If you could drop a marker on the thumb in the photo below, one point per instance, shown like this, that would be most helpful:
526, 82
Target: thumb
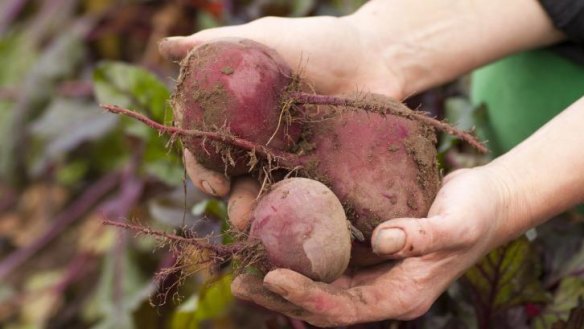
176, 48
408, 237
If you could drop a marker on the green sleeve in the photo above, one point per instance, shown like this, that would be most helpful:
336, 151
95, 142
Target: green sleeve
522, 92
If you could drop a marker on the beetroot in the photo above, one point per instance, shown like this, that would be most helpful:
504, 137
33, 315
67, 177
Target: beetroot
239, 109
235, 86
381, 167
303, 227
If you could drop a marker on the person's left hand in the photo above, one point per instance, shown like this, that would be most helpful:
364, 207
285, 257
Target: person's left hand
466, 220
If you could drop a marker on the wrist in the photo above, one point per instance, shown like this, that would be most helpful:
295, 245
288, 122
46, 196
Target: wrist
513, 214
542, 176
426, 43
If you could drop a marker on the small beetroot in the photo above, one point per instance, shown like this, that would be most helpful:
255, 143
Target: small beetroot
303, 227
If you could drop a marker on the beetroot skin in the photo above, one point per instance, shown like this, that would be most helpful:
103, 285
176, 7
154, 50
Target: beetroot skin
303, 227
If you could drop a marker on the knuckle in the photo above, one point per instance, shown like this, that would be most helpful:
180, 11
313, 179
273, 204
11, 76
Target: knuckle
267, 20
419, 309
414, 302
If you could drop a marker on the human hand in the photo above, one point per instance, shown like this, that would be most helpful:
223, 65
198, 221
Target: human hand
333, 54
466, 220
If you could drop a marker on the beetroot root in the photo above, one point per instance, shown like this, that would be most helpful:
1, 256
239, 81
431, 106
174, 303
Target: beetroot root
303, 227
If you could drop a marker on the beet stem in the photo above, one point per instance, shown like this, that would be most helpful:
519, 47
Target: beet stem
220, 251
288, 159
306, 98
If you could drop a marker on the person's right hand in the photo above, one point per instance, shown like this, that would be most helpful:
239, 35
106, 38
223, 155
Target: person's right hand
332, 54
469, 217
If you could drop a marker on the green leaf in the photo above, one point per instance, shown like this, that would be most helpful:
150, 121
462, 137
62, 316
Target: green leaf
347, 7
301, 8
6, 292
66, 124
16, 57
213, 207
162, 160
462, 114
59, 61
121, 290
73, 172
574, 265
212, 302
206, 20
506, 277
218, 209
575, 320
132, 87
566, 297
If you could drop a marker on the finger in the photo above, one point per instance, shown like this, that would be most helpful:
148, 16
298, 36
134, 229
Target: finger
250, 287
407, 237
324, 305
208, 181
241, 202
176, 48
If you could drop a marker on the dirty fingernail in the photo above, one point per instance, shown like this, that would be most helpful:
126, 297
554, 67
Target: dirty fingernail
207, 188
389, 241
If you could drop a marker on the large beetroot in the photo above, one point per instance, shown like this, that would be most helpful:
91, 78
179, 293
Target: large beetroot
381, 167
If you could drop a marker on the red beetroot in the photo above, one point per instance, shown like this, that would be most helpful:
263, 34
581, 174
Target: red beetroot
237, 86
380, 167
303, 227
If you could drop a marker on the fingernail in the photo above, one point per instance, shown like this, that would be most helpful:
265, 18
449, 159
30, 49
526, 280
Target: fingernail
207, 188
162, 44
389, 241
170, 49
